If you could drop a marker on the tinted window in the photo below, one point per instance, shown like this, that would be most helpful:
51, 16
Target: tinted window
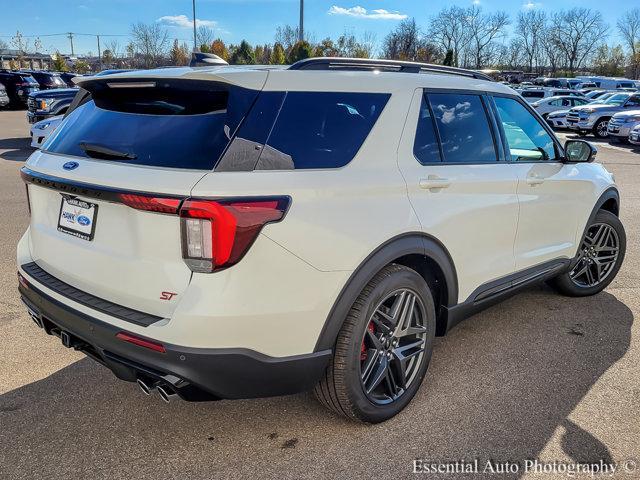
463, 127
526, 138
634, 101
425, 145
247, 145
320, 129
181, 127
532, 94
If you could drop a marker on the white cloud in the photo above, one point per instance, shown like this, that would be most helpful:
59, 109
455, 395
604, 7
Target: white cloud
476, 2
361, 12
182, 21
530, 5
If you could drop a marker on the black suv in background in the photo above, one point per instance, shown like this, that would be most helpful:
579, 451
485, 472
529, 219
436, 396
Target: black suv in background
66, 78
18, 85
47, 80
49, 103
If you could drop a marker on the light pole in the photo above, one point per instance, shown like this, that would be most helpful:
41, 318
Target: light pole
301, 28
195, 41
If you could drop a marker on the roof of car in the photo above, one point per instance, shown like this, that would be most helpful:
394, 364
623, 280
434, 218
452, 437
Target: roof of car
278, 78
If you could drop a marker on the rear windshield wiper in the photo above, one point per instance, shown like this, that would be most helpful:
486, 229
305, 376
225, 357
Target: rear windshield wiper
105, 153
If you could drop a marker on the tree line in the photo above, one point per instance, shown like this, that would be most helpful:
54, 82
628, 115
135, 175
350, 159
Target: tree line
557, 43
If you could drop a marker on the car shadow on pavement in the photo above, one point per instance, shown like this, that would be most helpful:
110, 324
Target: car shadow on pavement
18, 149
499, 386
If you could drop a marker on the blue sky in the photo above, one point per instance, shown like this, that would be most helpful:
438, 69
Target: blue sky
255, 20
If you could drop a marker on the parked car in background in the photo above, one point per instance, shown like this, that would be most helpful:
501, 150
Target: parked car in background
41, 130
18, 85
552, 104
634, 136
4, 98
586, 87
558, 119
594, 117
67, 78
620, 126
47, 80
49, 103
594, 94
533, 94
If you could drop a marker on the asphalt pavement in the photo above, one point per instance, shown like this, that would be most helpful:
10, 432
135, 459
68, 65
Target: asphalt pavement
538, 376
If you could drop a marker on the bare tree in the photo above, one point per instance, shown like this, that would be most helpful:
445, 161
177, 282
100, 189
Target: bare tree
286, 36
577, 33
552, 55
530, 30
368, 43
629, 28
115, 48
402, 43
205, 36
448, 30
151, 41
484, 30
3, 45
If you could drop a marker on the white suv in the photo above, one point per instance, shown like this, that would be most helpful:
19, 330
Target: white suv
239, 232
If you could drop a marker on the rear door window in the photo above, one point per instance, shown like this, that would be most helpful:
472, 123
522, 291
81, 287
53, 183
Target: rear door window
185, 124
320, 129
425, 145
463, 126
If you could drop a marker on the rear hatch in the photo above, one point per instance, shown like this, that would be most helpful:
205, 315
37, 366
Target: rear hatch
105, 188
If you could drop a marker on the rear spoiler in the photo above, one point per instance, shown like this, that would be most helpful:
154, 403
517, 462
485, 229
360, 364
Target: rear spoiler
199, 59
251, 78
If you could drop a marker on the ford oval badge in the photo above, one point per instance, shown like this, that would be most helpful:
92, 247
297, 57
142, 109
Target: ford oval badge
70, 165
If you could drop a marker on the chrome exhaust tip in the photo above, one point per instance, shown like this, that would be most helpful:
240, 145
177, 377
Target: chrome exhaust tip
165, 393
145, 387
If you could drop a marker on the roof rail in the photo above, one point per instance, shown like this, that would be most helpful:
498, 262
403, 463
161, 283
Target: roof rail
368, 64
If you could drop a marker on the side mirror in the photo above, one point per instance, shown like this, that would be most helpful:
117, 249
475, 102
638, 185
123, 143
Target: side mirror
579, 151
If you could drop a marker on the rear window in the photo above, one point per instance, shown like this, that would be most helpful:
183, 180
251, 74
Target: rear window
532, 94
320, 129
184, 124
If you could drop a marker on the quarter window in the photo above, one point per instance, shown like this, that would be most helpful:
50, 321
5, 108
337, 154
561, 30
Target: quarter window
320, 129
527, 139
464, 129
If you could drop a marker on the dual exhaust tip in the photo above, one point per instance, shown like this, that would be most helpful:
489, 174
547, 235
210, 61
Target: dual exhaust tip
166, 393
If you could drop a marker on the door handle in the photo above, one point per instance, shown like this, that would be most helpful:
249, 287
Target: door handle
534, 180
434, 182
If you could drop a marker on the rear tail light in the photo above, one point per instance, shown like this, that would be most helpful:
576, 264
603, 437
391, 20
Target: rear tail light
217, 233
151, 204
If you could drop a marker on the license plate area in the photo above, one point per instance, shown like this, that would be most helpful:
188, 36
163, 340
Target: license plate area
77, 217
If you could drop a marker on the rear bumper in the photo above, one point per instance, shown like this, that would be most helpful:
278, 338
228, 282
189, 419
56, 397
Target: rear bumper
194, 373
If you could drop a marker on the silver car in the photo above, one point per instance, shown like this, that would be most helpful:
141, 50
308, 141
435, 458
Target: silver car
594, 117
621, 124
634, 136
553, 104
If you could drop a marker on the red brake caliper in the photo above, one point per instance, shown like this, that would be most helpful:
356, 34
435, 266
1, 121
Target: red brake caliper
363, 348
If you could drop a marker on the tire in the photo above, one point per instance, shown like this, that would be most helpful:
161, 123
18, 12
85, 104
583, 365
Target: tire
600, 128
573, 285
343, 386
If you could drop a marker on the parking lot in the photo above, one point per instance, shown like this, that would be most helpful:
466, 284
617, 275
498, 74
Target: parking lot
538, 376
